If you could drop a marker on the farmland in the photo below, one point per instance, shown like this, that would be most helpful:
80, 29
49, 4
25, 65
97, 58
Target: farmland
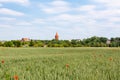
60, 63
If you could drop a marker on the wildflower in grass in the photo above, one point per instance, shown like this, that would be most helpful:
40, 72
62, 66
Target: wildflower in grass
2, 61
15, 77
110, 59
67, 65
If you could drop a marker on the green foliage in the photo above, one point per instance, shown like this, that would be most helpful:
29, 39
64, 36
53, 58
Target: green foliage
95, 41
17, 43
8, 44
1, 44
115, 42
89, 42
32, 43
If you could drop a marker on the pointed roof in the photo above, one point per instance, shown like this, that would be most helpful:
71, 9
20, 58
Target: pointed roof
56, 34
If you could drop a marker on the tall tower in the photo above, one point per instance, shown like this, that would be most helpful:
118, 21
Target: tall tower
56, 36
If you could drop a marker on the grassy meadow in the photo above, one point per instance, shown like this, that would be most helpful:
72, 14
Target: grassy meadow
59, 63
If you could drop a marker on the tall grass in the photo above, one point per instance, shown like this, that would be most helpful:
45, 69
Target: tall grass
60, 63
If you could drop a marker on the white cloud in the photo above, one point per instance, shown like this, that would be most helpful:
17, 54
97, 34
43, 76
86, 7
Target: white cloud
109, 3
23, 23
7, 19
86, 8
114, 19
107, 11
59, 3
38, 21
4, 26
6, 11
71, 19
22, 2
55, 7
55, 10
103, 14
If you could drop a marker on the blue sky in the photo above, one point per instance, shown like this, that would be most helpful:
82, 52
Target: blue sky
72, 19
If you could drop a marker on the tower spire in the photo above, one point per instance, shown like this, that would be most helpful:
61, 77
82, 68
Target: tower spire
56, 36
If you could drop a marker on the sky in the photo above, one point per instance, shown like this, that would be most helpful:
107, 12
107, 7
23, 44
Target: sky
72, 19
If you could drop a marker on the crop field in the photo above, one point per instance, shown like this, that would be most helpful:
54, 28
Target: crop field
59, 63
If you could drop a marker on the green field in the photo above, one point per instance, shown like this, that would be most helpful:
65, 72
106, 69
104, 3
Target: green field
60, 63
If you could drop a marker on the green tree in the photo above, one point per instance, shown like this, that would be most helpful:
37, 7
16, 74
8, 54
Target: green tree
8, 44
1, 44
32, 43
17, 43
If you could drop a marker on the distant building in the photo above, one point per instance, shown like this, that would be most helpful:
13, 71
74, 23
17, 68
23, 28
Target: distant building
25, 39
108, 42
56, 36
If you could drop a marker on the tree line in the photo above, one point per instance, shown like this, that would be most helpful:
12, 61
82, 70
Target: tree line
88, 42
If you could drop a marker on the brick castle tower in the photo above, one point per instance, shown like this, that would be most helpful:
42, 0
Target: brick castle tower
56, 36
